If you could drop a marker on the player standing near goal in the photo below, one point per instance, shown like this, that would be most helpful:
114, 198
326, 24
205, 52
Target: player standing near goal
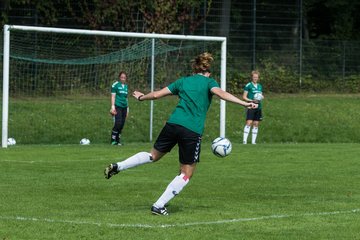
253, 116
119, 107
184, 127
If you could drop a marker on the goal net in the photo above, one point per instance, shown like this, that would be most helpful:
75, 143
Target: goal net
54, 72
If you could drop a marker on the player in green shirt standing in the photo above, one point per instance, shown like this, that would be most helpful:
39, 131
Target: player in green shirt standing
253, 93
119, 107
184, 127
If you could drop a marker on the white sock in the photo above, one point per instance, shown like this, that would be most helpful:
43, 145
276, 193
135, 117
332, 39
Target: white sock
246, 133
173, 189
254, 135
135, 160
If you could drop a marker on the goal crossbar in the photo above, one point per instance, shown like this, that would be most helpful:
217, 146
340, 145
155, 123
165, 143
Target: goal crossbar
6, 60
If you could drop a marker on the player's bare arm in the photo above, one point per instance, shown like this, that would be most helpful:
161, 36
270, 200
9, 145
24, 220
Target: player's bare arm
231, 98
112, 108
152, 95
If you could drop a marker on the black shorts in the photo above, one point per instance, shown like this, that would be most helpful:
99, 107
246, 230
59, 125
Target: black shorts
189, 142
254, 114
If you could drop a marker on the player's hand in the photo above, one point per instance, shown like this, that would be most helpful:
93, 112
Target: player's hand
253, 105
137, 94
113, 111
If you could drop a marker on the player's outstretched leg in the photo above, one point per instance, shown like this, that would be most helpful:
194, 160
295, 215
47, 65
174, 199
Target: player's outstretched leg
133, 161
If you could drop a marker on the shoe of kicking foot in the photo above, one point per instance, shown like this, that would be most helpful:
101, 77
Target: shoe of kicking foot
111, 170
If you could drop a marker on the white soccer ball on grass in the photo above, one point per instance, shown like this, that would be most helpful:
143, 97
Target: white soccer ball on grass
11, 142
221, 147
84, 141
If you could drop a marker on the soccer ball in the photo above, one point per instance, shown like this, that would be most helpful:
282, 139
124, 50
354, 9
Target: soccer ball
258, 96
221, 147
11, 141
84, 141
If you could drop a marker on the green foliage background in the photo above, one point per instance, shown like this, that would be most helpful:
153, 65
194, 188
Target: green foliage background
326, 65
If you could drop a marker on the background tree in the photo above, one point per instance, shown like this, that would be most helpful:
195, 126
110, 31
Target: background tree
325, 19
170, 16
162, 16
332, 19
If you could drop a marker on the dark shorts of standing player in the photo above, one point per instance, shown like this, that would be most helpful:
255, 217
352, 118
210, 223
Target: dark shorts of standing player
254, 114
188, 141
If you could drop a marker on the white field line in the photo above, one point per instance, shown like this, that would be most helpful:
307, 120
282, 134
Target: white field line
13, 161
139, 225
69, 161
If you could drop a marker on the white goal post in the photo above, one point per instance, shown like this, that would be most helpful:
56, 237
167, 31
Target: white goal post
6, 62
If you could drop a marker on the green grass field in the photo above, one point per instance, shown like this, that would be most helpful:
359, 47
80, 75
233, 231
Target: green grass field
297, 118
264, 191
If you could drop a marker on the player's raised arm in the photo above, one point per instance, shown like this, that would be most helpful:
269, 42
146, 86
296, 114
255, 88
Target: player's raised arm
231, 98
152, 95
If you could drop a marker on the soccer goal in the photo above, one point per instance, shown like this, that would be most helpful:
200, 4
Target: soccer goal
42, 64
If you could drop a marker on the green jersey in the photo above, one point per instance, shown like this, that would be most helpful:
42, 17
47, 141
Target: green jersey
194, 101
252, 89
121, 91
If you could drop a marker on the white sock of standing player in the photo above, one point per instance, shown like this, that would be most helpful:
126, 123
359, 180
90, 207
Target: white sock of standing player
246, 133
254, 133
173, 189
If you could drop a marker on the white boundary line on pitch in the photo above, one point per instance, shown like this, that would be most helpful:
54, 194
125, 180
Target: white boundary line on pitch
56, 161
16, 161
72, 160
18, 218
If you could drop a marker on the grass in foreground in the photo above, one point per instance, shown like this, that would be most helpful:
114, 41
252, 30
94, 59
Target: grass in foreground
268, 191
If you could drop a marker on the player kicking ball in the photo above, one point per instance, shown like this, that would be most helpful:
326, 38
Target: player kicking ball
184, 127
